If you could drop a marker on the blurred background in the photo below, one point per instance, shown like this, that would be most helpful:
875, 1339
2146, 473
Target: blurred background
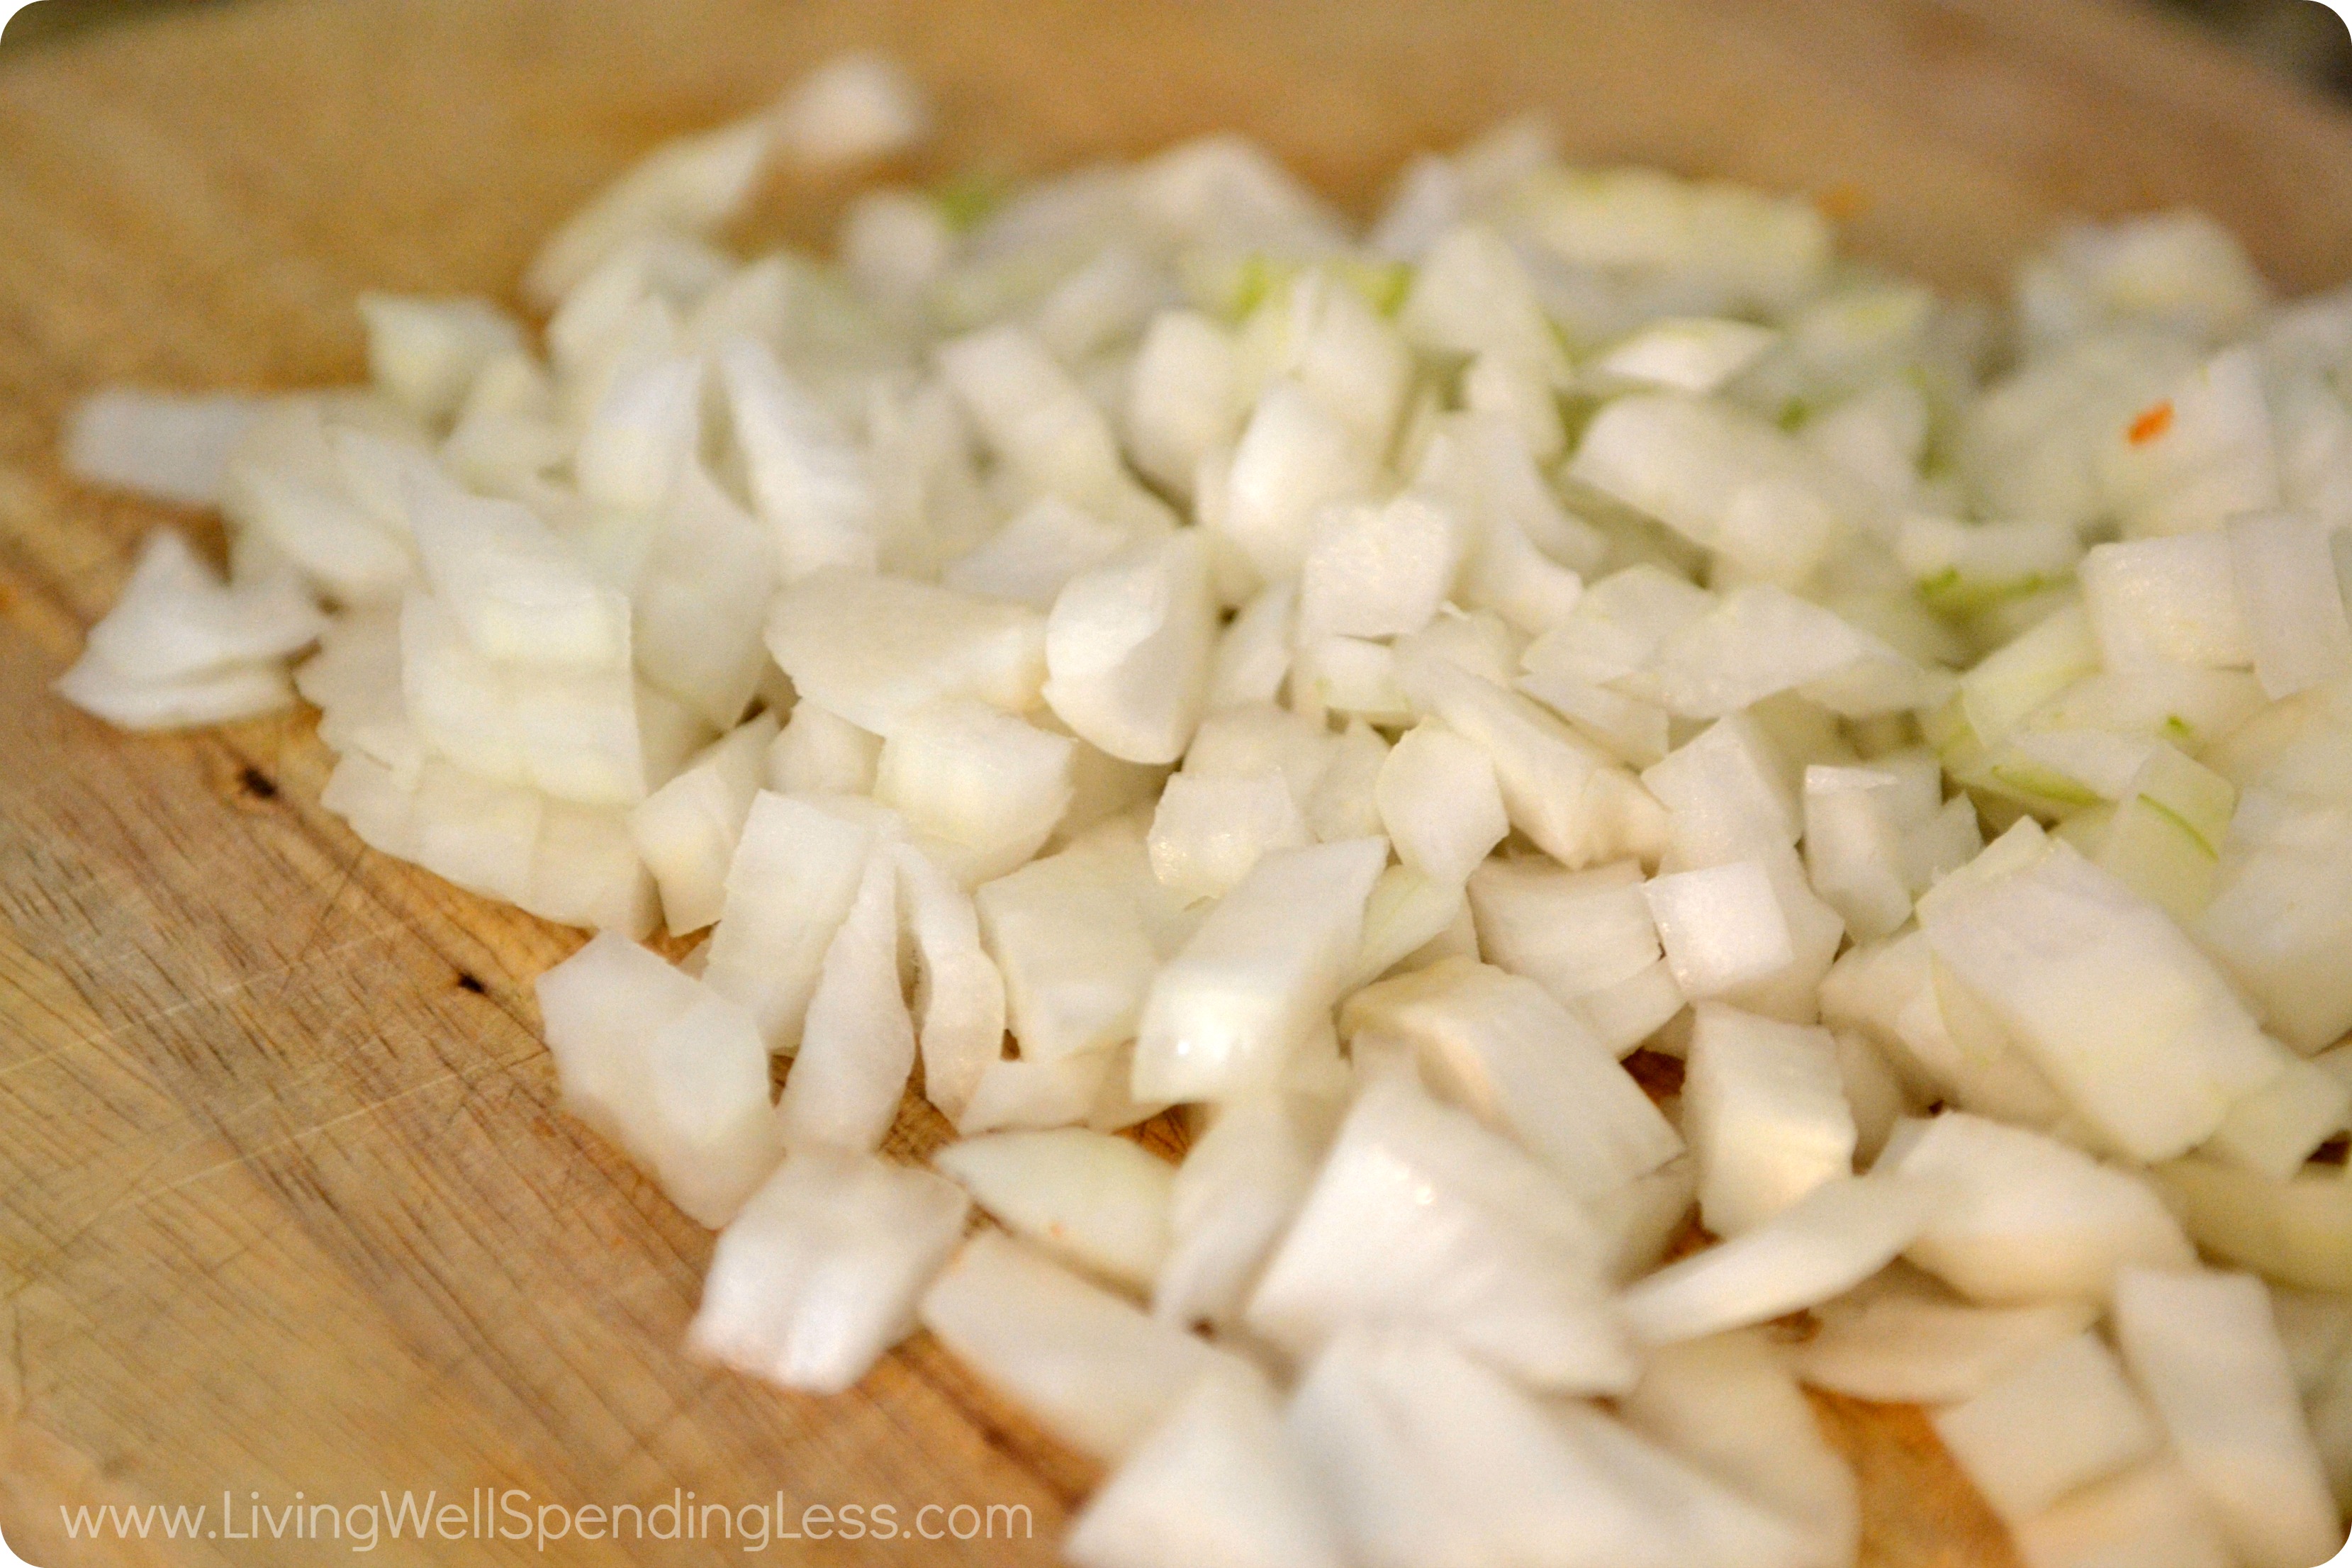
2302, 38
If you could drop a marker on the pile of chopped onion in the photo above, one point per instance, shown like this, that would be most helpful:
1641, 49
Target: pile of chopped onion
1148, 648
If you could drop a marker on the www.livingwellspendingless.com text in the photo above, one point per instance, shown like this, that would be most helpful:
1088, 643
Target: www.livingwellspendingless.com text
514, 1515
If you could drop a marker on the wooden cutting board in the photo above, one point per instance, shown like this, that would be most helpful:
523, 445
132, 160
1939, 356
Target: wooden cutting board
286, 1204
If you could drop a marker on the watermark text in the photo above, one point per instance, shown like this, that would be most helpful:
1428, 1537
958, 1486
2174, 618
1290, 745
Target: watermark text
513, 1514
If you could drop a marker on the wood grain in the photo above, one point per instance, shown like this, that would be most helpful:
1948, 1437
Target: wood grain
285, 1202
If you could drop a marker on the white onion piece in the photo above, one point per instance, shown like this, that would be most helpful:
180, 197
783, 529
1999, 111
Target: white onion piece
2293, 601
2279, 917
2204, 1350
509, 435
1249, 739
2061, 1421
1345, 803
1104, 791
1439, 803
2314, 1330
595, 736
1694, 354
623, 316
1407, 917
1426, 202
1076, 955
1719, 477
1722, 927
1029, 560
1503, 1048
2157, 602
1573, 933
895, 245
307, 518
1209, 830
175, 448
1431, 1457
2130, 1021
1640, 1221
858, 1042
808, 480
2178, 267
1379, 570
354, 681
1900, 1339
481, 835
1116, 1106
1732, 245
1531, 552
1254, 652
523, 594
1765, 1107
1728, 1406
959, 1002
876, 649
819, 753
426, 354
1633, 1010
1837, 1235
1293, 457
585, 871
1219, 1479
1128, 649
796, 871
1854, 848
852, 106
606, 1000
2209, 459
988, 787
1041, 425
686, 829
1730, 795
1182, 401
378, 805
1637, 733
1036, 1095
1617, 627
1224, 1014
460, 704
1814, 930
2331, 1431
1931, 1028
1559, 789
1763, 640
1092, 1369
1237, 1189
2281, 1125
2297, 1231
692, 186
702, 600
2150, 1516
668, 1068
1342, 351
1421, 1215
177, 621
1095, 1201
2026, 1219
1471, 294
229, 693
819, 1273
